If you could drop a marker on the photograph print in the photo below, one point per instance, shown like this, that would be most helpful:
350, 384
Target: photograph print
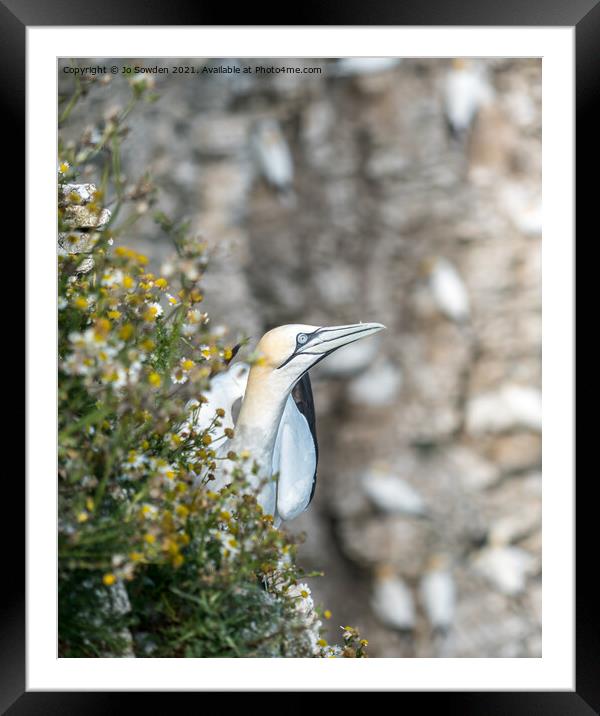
299, 357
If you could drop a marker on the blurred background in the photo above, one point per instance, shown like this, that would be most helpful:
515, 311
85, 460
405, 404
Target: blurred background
401, 191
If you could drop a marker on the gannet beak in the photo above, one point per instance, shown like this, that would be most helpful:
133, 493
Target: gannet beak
328, 339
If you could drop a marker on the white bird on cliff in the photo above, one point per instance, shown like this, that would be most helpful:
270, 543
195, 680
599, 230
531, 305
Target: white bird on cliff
465, 90
348, 66
505, 567
273, 156
438, 594
226, 392
448, 289
276, 420
392, 495
377, 387
392, 601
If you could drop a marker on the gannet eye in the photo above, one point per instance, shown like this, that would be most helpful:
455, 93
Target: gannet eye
302, 338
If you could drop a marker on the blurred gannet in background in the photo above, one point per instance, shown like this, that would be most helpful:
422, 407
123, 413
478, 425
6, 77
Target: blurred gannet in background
273, 157
392, 601
377, 387
509, 407
438, 594
391, 494
276, 421
347, 66
448, 289
505, 567
523, 207
465, 90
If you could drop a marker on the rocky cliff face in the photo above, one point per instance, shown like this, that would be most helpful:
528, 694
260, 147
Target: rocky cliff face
341, 197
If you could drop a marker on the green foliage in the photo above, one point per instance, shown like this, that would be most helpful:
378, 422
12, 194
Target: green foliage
152, 561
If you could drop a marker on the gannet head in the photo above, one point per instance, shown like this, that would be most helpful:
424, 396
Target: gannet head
292, 350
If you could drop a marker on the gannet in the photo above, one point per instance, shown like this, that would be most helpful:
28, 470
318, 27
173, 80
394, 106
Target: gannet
392, 495
347, 66
505, 567
509, 407
448, 289
392, 601
276, 420
377, 387
465, 90
273, 157
438, 594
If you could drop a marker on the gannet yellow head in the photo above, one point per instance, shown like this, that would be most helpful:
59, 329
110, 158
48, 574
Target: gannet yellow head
293, 349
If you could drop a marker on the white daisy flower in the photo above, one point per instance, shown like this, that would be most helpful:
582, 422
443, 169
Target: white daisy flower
149, 511
135, 460
112, 278
179, 375
156, 307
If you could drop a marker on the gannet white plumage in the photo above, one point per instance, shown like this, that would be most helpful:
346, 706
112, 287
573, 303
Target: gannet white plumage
509, 407
465, 90
505, 567
377, 387
392, 495
448, 289
276, 421
438, 594
392, 600
272, 155
347, 66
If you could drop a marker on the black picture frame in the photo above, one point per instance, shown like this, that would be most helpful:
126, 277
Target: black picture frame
584, 16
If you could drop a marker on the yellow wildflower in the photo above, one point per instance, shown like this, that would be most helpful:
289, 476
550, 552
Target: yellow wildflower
101, 329
126, 331
154, 379
153, 311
